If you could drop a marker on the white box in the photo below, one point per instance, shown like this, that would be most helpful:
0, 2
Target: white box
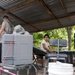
20, 50
6, 49
24, 44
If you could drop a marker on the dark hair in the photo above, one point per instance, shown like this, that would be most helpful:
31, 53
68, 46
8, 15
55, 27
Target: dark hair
5, 17
46, 35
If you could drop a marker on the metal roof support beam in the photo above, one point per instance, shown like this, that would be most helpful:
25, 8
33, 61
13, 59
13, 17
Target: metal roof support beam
48, 10
64, 7
19, 19
54, 28
48, 20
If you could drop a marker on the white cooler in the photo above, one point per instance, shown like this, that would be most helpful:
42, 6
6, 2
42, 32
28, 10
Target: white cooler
20, 50
58, 68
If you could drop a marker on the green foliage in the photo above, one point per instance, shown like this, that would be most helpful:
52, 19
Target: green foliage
56, 33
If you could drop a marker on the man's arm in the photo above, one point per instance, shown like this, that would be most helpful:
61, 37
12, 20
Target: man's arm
2, 29
50, 48
44, 46
47, 48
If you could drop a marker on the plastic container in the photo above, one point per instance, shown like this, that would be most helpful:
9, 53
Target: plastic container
20, 50
59, 68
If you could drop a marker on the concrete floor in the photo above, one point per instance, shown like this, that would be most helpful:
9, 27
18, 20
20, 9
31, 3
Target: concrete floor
32, 72
74, 70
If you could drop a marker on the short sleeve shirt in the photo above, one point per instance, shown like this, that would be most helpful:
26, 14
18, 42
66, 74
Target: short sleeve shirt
6, 30
46, 43
7, 27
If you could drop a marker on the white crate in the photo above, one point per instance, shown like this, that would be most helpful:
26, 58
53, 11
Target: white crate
58, 68
24, 44
20, 51
6, 40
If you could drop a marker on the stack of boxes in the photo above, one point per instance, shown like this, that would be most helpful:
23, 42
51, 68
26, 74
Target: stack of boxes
17, 49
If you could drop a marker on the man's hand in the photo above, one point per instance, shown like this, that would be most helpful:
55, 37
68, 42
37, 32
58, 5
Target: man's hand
49, 51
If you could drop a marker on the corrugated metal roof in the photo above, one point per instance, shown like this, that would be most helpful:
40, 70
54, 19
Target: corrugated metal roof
32, 12
9, 3
38, 15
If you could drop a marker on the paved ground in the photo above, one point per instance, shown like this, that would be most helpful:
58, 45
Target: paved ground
32, 72
74, 70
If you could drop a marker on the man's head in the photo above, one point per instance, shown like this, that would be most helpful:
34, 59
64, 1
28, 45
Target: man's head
46, 37
5, 18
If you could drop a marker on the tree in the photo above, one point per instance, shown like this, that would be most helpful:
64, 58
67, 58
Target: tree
69, 32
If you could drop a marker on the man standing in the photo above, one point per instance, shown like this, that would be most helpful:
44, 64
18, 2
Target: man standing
6, 28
